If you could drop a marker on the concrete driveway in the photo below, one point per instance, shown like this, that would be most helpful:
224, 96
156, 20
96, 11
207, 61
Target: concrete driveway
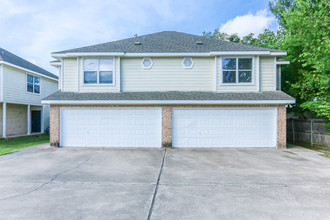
79, 183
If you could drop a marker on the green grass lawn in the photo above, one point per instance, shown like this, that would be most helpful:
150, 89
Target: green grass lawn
8, 146
327, 155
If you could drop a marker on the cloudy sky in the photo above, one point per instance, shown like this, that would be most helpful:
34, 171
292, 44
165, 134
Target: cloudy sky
33, 29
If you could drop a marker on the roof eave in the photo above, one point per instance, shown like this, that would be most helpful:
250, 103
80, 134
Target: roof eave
27, 70
211, 53
175, 102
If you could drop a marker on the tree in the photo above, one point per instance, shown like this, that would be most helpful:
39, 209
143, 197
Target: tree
307, 41
305, 34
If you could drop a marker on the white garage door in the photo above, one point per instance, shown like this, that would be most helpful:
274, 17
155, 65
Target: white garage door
110, 127
231, 127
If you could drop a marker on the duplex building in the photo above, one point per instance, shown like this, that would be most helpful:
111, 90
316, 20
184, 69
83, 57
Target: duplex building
169, 89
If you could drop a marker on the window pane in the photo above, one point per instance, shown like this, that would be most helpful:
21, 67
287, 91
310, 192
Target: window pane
245, 76
147, 62
90, 64
36, 80
187, 62
105, 64
29, 87
229, 76
106, 77
36, 89
229, 63
245, 63
90, 77
29, 79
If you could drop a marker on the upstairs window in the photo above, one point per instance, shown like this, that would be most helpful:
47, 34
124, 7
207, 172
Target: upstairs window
98, 71
147, 63
236, 70
32, 84
187, 63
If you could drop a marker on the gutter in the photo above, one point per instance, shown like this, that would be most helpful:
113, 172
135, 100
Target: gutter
202, 54
166, 102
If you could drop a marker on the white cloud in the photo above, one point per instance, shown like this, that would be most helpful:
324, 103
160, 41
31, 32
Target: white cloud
36, 29
9, 8
249, 23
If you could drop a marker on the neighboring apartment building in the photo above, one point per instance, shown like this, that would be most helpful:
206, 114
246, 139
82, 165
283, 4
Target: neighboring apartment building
22, 86
169, 89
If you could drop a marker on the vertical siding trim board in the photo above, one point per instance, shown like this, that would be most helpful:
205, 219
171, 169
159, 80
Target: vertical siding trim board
119, 75
275, 66
28, 119
42, 129
215, 73
4, 119
78, 74
167, 120
61, 75
258, 73
1, 82
280, 78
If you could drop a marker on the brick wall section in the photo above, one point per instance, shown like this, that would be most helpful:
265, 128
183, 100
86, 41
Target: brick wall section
16, 119
281, 127
167, 126
54, 125
167, 120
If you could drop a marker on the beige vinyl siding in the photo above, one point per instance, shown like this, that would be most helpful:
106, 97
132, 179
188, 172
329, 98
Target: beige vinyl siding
167, 74
14, 87
70, 75
46, 117
268, 73
238, 87
99, 87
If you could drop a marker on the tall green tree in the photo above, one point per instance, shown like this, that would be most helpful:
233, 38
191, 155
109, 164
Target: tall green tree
307, 41
305, 34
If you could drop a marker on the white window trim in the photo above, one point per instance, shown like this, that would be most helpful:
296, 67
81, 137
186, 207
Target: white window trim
147, 67
237, 83
98, 73
192, 63
32, 93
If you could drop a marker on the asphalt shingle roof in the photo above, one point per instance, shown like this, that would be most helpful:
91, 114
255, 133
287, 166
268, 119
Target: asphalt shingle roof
8, 57
167, 42
271, 95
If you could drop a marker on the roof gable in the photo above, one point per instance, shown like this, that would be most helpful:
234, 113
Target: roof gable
11, 58
167, 42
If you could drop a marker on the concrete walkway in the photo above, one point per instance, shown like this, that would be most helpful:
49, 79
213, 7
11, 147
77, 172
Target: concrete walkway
82, 183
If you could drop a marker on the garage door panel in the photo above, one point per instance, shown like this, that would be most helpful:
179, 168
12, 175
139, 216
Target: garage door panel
111, 127
224, 127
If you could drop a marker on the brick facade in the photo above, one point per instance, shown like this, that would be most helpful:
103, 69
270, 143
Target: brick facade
167, 120
54, 125
166, 126
281, 127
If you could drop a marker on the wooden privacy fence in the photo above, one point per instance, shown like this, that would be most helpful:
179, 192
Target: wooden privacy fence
311, 131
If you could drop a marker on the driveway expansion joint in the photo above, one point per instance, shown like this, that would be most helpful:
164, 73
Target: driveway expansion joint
156, 186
